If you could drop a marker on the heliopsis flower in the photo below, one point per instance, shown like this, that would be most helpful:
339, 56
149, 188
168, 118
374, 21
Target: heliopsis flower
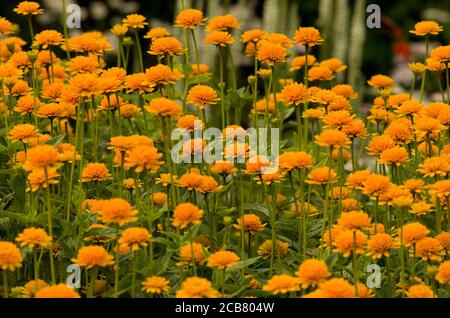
157, 32
411, 233
92, 256
202, 95
117, 211
223, 168
409, 107
207, 185
321, 176
394, 156
421, 208
48, 38
295, 93
312, 272
40, 178
41, 157
354, 220
119, 30
95, 172
136, 237
429, 248
135, 21
222, 259
291, 160
156, 285
23, 132
167, 46
400, 130
190, 18
334, 64
338, 119
333, 138
219, 38
143, 157
419, 291
443, 275
186, 214
299, 62
253, 35
444, 239
10, 257
222, 23
265, 249
349, 241
5, 26
378, 144
28, 8
425, 28
380, 245
196, 287
190, 253
337, 288
380, 81
32, 287
308, 36
159, 198
164, 107
252, 223
320, 73
32, 237
270, 53
282, 284
57, 291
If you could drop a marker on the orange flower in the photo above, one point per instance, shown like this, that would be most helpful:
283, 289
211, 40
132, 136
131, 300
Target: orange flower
196, 287
295, 93
349, 241
41, 157
155, 33
48, 38
421, 208
95, 172
425, 28
375, 185
138, 82
334, 64
380, 81
444, 239
84, 85
253, 35
419, 291
338, 119
5, 26
299, 62
434, 166
394, 156
135, 21
380, 245
10, 257
321, 176
92, 256
202, 95
28, 8
223, 168
32, 237
190, 18
23, 132
282, 284
57, 291
354, 220
186, 214
156, 285
136, 237
312, 272
164, 107
320, 73
409, 107
336, 288
252, 223
411, 233
143, 157
223, 259
167, 46
443, 275
160, 75
378, 144
40, 178
429, 249
441, 54
207, 185
119, 30
188, 122
219, 38
294, 160
186, 257
117, 211
333, 138
270, 53
308, 36
222, 23
83, 64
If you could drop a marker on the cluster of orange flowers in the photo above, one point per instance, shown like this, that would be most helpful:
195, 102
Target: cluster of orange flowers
91, 145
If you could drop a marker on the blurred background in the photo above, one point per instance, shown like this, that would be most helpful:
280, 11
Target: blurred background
367, 51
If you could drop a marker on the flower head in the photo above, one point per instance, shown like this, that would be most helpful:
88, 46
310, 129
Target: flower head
223, 259
312, 272
92, 256
28, 8
308, 36
196, 287
186, 214
156, 285
424, 28
136, 237
135, 21
190, 18
282, 284
57, 291
32, 237
10, 257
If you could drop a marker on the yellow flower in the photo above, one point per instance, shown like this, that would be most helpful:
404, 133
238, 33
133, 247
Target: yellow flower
10, 257
282, 284
28, 7
425, 28
92, 256
155, 285
135, 21
196, 287
223, 259
32, 237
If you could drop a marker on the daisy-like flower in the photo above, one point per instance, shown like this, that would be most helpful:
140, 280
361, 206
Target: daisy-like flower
57, 291
190, 18
95, 172
186, 214
202, 95
223, 259
10, 257
252, 223
28, 8
308, 36
219, 38
136, 237
282, 284
156, 285
196, 287
32, 237
425, 28
48, 38
135, 21
312, 272
92, 256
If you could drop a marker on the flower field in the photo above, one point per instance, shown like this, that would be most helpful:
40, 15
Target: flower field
301, 192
